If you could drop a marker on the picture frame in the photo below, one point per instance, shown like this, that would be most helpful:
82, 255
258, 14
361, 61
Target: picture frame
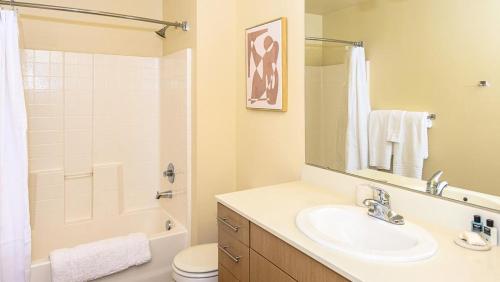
266, 66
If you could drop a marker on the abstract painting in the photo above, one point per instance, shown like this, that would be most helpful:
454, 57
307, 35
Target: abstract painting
267, 66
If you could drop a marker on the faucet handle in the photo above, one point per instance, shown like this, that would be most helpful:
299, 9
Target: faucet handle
382, 196
440, 187
434, 178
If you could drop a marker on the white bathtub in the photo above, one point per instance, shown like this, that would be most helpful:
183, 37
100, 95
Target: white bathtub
164, 244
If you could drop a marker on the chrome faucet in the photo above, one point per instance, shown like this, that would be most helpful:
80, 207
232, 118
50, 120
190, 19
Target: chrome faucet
165, 194
380, 207
434, 186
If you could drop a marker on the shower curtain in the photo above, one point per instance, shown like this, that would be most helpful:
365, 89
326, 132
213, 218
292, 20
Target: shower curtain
15, 233
358, 108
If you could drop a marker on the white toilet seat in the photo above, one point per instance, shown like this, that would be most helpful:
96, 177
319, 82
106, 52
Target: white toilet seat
196, 264
195, 275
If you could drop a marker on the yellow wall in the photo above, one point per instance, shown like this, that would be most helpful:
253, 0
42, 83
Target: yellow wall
270, 145
428, 55
182, 10
314, 49
215, 123
51, 30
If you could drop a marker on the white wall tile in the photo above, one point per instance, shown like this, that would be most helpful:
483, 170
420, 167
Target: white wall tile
93, 113
45, 137
128, 131
78, 199
106, 203
42, 56
47, 214
108, 176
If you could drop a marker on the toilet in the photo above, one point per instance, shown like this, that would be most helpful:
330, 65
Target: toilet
196, 264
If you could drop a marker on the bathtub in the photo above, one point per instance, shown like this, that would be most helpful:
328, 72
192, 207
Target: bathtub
164, 244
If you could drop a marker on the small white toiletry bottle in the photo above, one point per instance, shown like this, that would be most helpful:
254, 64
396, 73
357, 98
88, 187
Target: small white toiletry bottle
490, 233
476, 224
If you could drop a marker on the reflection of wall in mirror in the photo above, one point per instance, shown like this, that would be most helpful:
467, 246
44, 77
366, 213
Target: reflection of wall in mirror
426, 57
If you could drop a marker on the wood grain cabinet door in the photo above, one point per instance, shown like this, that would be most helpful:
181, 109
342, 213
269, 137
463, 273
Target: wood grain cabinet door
262, 270
234, 256
314, 271
225, 275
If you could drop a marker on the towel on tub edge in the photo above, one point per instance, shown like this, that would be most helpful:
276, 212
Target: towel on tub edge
98, 259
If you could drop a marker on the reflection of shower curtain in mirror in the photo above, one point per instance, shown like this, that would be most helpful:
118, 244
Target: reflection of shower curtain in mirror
326, 117
358, 110
15, 234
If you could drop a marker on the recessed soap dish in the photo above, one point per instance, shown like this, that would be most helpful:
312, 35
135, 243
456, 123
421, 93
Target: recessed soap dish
464, 244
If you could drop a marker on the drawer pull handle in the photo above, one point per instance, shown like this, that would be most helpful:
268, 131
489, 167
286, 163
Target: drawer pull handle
223, 220
234, 258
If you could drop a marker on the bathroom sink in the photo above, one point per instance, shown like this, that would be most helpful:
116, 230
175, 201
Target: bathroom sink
349, 229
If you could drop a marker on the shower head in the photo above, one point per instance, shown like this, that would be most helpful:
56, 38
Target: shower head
161, 32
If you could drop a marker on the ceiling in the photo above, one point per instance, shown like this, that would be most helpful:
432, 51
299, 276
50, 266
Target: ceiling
322, 7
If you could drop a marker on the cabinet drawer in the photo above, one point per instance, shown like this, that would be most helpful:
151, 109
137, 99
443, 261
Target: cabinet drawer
264, 271
225, 275
234, 256
235, 225
276, 251
292, 261
316, 272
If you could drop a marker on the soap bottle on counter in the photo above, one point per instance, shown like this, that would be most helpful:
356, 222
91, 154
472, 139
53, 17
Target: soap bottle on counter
477, 225
490, 233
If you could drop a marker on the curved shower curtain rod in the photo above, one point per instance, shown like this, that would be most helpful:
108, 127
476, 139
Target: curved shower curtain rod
353, 43
183, 25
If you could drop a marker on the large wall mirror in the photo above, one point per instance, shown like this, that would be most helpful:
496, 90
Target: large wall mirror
397, 91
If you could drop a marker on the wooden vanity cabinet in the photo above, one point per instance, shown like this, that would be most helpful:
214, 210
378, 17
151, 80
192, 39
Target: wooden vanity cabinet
249, 253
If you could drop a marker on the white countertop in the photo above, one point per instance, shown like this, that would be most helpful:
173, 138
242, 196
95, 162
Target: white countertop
274, 208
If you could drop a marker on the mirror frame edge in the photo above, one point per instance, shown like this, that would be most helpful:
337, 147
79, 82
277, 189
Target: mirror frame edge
407, 189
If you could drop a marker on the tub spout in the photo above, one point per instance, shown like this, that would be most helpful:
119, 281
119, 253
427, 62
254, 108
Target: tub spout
165, 194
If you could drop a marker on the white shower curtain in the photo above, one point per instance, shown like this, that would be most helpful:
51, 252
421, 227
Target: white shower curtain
358, 108
15, 233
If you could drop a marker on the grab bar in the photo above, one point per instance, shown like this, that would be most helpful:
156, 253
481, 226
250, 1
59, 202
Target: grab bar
223, 220
234, 258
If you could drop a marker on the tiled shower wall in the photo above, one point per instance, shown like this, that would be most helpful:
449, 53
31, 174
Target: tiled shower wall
175, 129
93, 135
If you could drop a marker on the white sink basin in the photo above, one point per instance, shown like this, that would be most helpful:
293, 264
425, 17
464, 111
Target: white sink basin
351, 230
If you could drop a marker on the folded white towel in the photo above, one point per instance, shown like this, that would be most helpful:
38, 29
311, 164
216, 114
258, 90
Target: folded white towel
395, 126
380, 150
472, 238
98, 259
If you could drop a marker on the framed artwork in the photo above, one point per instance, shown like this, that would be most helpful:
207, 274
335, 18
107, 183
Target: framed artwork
266, 60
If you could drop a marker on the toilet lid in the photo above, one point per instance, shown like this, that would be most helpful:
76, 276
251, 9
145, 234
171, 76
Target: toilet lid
197, 259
